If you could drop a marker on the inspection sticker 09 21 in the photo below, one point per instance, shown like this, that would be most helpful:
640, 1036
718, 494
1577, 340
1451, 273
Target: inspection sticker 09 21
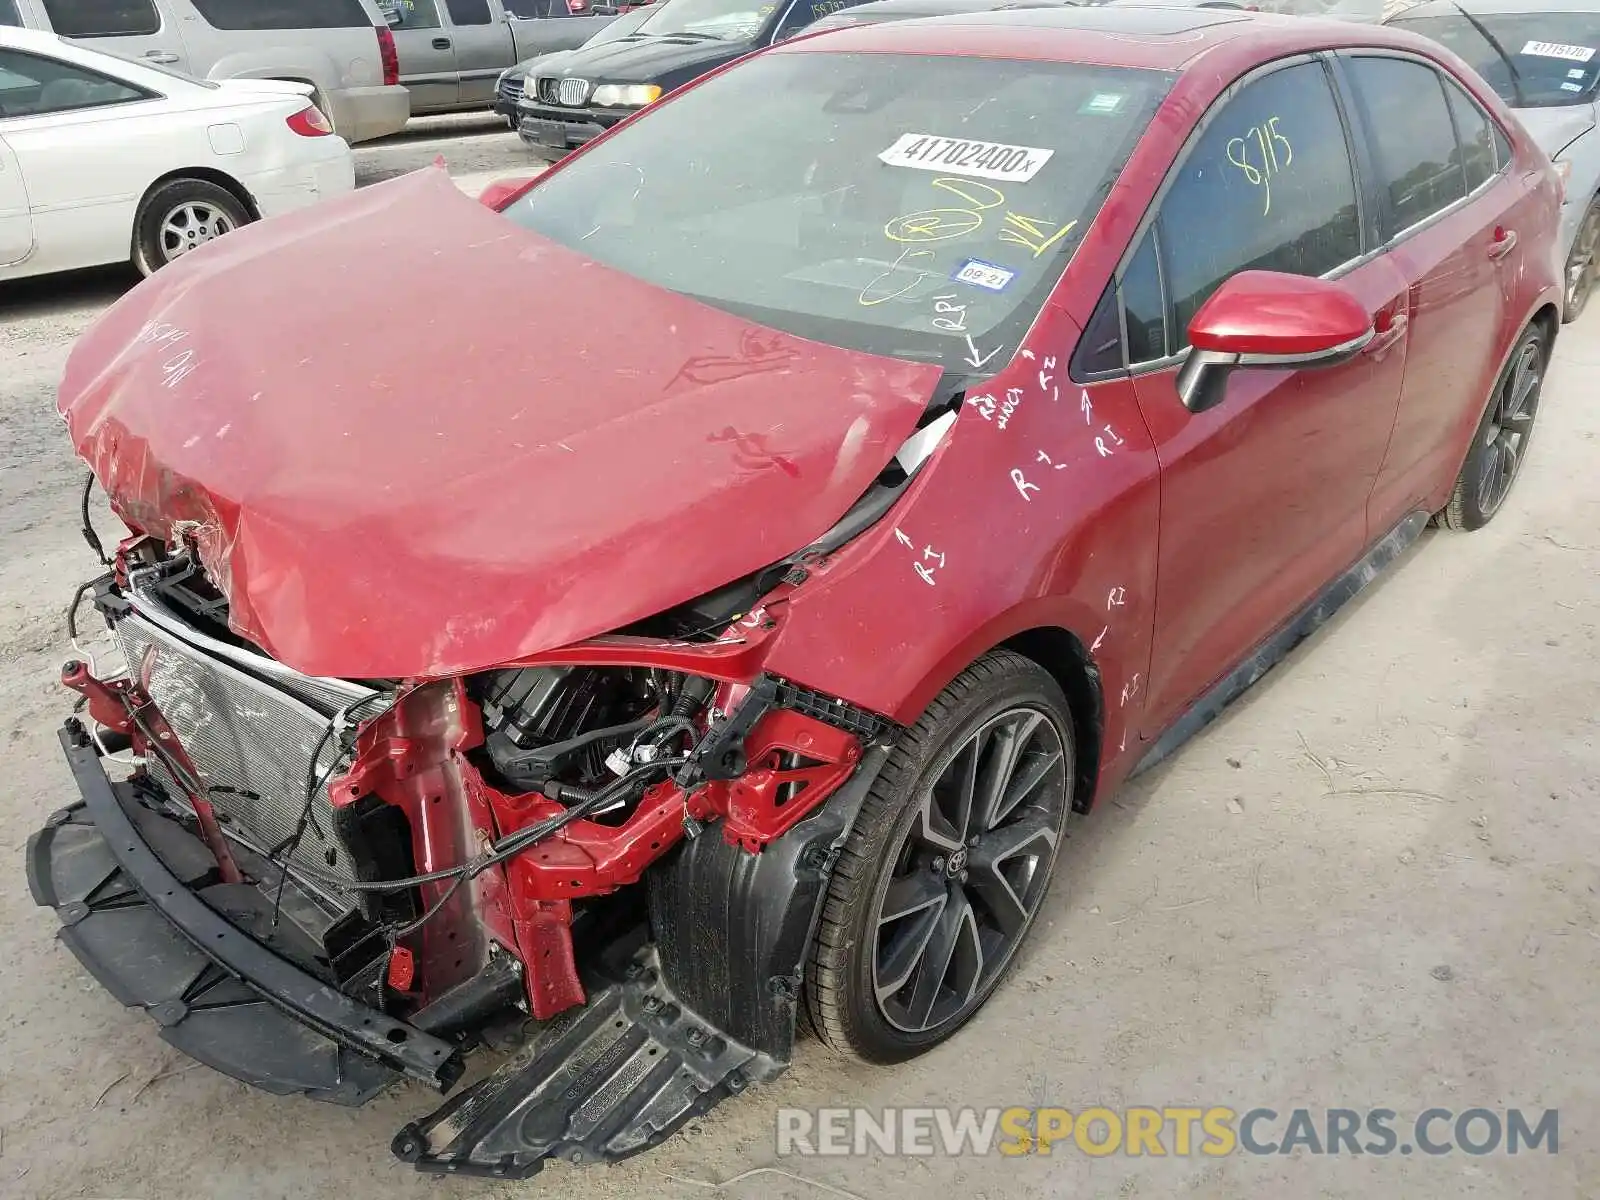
1559, 50
984, 274
964, 156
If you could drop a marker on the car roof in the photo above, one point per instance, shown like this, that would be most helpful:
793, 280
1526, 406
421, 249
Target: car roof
934, 8
1151, 37
1443, 8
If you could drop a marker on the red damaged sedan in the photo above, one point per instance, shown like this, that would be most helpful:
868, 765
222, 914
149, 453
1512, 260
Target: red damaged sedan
997, 397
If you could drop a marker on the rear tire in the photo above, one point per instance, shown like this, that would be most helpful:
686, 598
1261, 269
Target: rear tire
1582, 265
179, 215
946, 866
1500, 442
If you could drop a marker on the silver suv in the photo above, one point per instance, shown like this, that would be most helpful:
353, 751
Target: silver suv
342, 48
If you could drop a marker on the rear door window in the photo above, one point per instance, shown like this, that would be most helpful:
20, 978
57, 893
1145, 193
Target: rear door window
1267, 186
103, 18
1413, 139
282, 14
9, 14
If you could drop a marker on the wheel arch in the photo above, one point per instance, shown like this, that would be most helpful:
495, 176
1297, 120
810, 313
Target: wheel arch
1549, 318
1063, 654
206, 175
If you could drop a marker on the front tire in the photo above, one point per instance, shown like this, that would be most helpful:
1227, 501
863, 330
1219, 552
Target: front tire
180, 215
1500, 443
946, 866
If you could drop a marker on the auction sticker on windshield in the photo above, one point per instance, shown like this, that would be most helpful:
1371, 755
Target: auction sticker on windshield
962, 156
1559, 50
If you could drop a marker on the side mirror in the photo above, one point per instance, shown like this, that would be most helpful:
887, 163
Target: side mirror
1269, 319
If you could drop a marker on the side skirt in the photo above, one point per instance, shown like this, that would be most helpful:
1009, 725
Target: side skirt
1272, 651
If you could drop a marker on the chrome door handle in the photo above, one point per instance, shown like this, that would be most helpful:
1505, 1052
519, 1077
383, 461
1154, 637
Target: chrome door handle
1505, 240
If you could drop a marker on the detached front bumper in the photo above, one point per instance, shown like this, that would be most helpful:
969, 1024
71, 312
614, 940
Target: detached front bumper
141, 908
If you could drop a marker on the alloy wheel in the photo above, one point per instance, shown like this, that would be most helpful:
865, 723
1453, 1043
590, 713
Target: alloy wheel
1505, 440
192, 224
969, 871
1581, 264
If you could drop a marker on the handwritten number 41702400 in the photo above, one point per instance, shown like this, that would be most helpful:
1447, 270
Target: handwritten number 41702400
1275, 153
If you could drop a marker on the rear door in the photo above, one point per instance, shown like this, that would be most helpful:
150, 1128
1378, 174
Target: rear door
427, 53
131, 28
1264, 497
483, 47
1443, 207
16, 228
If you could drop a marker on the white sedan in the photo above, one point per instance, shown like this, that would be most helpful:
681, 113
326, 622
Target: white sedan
104, 160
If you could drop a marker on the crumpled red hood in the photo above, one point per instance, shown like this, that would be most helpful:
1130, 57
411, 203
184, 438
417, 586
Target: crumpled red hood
410, 438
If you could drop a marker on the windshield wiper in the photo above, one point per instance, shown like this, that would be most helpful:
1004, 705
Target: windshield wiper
1494, 43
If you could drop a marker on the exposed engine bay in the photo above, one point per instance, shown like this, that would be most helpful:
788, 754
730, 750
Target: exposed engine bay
466, 860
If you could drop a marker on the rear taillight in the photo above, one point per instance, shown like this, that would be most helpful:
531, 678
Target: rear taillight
389, 56
310, 122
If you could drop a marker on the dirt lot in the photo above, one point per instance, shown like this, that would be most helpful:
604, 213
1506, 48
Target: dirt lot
1373, 883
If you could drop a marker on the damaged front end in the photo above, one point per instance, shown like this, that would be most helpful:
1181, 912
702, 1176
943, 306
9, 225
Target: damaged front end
606, 858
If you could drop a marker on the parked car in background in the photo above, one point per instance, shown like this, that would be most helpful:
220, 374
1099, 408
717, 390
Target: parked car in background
453, 52
584, 94
905, 10
176, 162
341, 48
1543, 58
1001, 396
508, 88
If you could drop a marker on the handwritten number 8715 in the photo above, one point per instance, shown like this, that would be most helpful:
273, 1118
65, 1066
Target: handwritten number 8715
1275, 153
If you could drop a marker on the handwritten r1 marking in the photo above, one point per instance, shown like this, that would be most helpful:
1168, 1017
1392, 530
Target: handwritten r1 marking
1033, 233
1023, 486
1130, 689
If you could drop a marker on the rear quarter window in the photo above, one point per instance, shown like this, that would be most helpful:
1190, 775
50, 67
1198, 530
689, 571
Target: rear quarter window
9, 14
283, 14
1475, 133
103, 18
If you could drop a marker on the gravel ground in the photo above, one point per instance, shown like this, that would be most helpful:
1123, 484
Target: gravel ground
1372, 883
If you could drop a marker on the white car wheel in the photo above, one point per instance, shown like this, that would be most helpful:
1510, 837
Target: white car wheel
179, 216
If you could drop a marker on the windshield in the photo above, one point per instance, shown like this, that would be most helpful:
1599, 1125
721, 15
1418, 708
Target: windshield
723, 20
917, 207
1555, 54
